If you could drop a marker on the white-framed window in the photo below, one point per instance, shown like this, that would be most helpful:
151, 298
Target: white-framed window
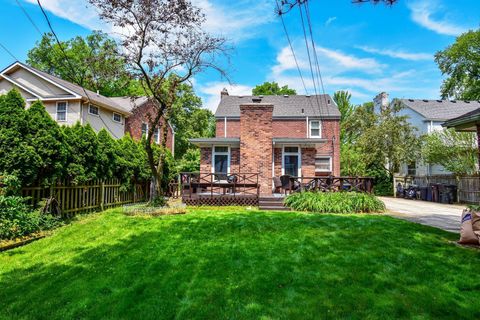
93, 110
144, 129
61, 111
221, 159
156, 136
323, 164
117, 117
291, 161
315, 129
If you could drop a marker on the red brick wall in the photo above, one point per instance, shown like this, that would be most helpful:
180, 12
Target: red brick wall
235, 160
133, 124
289, 128
233, 128
256, 142
205, 160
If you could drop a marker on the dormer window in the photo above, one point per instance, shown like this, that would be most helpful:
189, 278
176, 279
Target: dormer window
315, 129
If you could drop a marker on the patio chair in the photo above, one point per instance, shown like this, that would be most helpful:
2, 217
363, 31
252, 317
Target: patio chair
288, 185
277, 185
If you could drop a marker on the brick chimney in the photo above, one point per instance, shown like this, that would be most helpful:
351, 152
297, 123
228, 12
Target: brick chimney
256, 142
380, 102
224, 93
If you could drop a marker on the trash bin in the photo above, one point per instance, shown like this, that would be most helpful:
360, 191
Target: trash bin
451, 193
423, 193
435, 192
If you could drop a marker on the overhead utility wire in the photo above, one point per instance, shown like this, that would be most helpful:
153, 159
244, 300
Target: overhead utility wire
70, 65
8, 51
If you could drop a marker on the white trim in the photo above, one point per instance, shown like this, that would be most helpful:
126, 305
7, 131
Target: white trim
157, 141
39, 75
228, 153
299, 161
66, 111
319, 129
146, 129
225, 127
113, 117
320, 156
21, 86
94, 114
53, 99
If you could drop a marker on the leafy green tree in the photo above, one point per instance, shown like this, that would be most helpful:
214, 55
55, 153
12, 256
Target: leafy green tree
82, 160
45, 136
461, 63
190, 120
17, 156
456, 151
93, 62
132, 165
272, 88
106, 155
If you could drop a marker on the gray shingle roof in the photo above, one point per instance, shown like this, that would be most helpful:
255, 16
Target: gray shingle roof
441, 110
128, 103
283, 106
92, 96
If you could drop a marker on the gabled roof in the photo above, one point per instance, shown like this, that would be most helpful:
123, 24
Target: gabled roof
440, 110
283, 106
75, 90
466, 122
128, 103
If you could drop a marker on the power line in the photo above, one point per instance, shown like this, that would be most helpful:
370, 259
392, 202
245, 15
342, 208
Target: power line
309, 58
29, 17
291, 47
315, 55
70, 65
9, 52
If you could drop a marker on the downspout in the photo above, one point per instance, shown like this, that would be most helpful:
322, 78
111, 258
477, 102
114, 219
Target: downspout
225, 127
308, 131
273, 165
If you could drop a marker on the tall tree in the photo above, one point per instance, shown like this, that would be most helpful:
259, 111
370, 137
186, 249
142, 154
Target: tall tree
93, 62
164, 46
461, 63
456, 151
272, 88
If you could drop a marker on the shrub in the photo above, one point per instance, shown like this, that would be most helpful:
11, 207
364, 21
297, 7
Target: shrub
17, 219
334, 202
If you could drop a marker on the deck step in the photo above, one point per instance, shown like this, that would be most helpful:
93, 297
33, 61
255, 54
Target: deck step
272, 203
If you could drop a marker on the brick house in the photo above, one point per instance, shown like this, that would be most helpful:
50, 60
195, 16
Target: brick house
136, 124
273, 136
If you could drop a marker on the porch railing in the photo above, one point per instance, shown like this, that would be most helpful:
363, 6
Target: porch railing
332, 184
203, 184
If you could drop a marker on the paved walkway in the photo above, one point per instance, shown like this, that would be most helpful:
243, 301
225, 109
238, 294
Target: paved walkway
439, 215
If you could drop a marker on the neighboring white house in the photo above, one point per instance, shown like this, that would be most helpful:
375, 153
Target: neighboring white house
66, 102
427, 116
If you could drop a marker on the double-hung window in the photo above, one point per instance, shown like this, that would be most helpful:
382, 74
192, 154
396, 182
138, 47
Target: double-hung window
144, 129
315, 129
117, 117
156, 136
323, 164
62, 111
93, 110
221, 159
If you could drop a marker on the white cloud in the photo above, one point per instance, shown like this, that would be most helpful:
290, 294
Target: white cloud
330, 20
421, 13
211, 92
399, 54
237, 21
77, 11
368, 65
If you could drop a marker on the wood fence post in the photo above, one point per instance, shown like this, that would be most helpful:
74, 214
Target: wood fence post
102, 195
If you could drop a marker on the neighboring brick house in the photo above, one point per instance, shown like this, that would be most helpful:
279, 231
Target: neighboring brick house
141, 109
68, 103
274, 136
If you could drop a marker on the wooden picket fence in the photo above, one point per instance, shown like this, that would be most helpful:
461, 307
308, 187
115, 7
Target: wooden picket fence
92, 196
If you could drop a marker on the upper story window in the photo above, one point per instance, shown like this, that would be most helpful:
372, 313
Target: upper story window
62, 111
144, 129
315, 129
117, 117
156, 135
93, 110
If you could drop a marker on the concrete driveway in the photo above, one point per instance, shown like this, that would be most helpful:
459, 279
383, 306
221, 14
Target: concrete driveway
439, 215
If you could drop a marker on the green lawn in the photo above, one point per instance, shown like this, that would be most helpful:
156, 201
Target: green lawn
239, 264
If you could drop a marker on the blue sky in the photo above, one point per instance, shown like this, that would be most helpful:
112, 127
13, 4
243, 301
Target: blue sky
365, 49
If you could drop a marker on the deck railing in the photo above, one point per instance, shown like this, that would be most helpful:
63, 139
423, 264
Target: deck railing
332, 184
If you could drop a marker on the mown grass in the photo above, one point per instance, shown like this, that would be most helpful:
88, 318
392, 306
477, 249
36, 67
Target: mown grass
232, 263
